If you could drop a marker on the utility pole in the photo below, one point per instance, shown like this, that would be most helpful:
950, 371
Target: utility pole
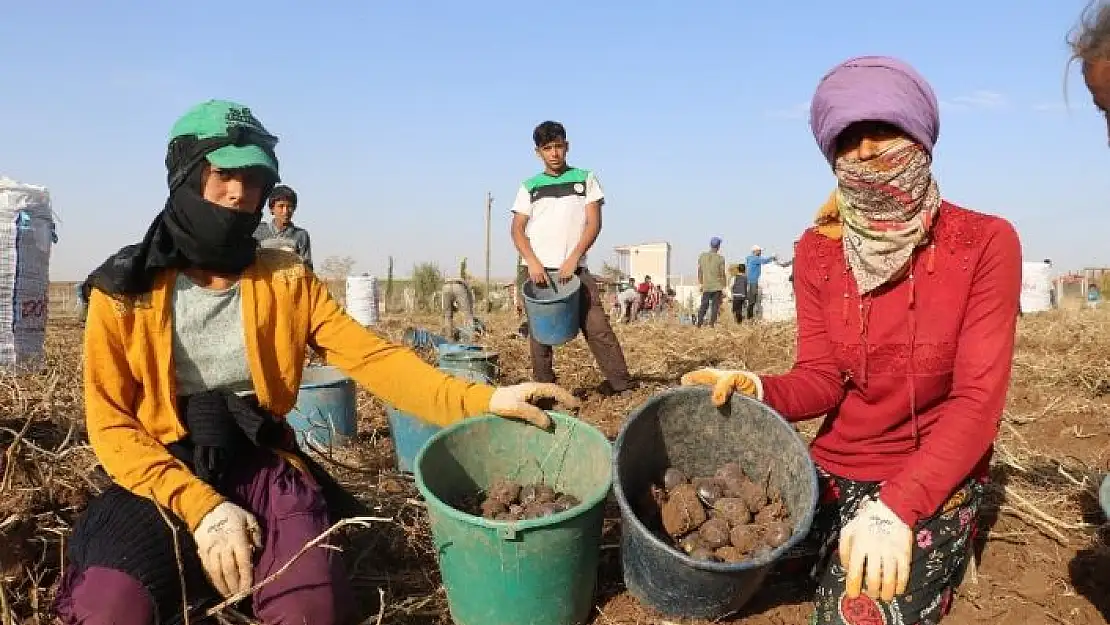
489, 219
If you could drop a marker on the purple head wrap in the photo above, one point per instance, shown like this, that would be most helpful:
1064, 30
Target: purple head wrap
873, 88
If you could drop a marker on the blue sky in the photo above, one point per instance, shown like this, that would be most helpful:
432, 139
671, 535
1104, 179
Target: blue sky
396, 118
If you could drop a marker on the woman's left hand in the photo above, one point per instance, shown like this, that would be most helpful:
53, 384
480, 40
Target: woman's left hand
878, 540
518, 402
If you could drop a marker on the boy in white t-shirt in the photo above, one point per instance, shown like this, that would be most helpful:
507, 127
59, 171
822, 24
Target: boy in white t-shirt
556, 219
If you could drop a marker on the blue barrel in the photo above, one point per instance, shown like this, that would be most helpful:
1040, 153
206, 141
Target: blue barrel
553, 310
326, 414
409, 433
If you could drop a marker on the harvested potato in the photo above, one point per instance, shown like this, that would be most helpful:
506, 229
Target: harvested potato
563, 503
733, 510
504, 491
771, 512
683, 512
744, 537
776, 534
493, 507
714, 533
709, 491
673, 478
753, 495
528, 494
691, 542
733, 487
730, 554
545, 494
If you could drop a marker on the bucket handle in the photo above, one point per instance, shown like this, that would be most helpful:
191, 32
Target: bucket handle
551, 281
562, 456
507, 532
542, 464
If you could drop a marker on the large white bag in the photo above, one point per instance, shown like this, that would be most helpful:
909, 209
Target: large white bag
26, 235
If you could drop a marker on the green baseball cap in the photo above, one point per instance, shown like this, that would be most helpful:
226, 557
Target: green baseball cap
222, 118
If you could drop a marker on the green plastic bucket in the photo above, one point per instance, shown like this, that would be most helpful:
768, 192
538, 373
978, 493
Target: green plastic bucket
531, 572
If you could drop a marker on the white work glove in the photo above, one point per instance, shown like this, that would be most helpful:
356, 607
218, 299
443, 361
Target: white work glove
725, 383
878, 542
517, 402
226, 539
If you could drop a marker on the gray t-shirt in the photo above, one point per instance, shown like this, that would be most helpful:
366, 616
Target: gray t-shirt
209, 344
290, 238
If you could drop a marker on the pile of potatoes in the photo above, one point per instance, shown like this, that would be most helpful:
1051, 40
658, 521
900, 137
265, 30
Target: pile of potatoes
507, 500
724, 518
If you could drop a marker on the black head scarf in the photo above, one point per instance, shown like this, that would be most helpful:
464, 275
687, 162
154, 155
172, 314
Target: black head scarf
189, 232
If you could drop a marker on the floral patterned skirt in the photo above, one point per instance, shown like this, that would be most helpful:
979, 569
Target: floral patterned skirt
942, 544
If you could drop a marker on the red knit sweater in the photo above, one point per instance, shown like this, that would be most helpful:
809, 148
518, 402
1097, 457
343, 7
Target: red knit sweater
948, 326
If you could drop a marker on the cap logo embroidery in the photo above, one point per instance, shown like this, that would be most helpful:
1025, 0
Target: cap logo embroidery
242, 117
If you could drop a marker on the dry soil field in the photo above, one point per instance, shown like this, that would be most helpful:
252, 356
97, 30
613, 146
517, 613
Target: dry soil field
1041, 556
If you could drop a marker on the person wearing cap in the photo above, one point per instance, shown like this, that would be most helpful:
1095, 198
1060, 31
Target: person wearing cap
907, 309
281, 233
712, 279
754, 263
194, 351
1090, 45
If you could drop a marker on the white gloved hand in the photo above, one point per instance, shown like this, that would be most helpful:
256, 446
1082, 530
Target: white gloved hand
877, 541
226, 539
518, 402
725, 382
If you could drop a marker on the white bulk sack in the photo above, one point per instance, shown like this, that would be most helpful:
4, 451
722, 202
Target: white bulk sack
362, 299
1036, 287
776, 293
26, 235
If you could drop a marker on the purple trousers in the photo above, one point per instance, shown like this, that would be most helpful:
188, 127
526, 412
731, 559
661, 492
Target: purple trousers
291, 511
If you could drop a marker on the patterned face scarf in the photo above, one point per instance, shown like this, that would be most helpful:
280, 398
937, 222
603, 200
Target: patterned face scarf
887, 206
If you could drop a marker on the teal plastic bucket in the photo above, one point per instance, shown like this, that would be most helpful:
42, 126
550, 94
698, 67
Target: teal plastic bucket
554, 310
326, 413
410, 433
539, 571
477, 365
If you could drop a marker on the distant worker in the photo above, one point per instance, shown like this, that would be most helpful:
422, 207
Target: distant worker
629, 301
281, 233
556, 220
457, 296
754, 263
739, 293
712, 280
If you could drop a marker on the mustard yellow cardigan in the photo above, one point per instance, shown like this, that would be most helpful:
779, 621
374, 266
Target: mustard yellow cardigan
130, 394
